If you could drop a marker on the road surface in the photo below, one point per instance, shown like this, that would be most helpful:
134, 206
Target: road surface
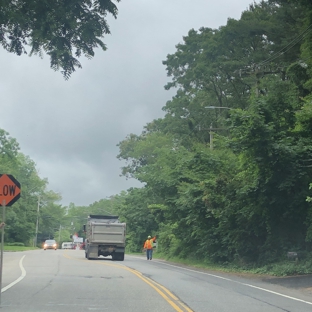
63, 280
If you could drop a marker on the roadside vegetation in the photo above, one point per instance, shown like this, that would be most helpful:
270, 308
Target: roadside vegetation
280, 268
227, 170
18, 248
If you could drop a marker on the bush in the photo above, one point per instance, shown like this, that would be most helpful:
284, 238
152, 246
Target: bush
15, 244
286, 268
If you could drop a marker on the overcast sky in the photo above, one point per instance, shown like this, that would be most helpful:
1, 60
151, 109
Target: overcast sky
71, 128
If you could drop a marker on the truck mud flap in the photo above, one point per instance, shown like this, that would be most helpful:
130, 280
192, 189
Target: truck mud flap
118, 256
92, 252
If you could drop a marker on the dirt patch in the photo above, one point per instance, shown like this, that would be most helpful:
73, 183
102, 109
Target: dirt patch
300, 282
297, 282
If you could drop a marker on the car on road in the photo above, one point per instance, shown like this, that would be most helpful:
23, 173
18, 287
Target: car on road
67, 245
50, 244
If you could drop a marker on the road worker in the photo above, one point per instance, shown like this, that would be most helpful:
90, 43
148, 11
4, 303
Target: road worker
148, 246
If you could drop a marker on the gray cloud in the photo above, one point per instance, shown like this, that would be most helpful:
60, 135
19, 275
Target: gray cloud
71, 128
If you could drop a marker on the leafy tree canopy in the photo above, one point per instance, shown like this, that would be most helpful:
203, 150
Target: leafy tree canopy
63, 29
246, 87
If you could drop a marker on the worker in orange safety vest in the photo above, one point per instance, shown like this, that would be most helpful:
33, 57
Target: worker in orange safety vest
148, 246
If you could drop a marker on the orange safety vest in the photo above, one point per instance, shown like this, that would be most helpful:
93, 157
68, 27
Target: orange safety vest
148, 244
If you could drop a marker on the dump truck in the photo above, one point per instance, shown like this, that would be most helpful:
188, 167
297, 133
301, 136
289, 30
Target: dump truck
105, 236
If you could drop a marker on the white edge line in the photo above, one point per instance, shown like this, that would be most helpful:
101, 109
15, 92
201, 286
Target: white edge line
17, 280
230, 280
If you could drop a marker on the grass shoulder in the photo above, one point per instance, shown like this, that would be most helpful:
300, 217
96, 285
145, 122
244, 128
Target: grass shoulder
278, 269
18, 248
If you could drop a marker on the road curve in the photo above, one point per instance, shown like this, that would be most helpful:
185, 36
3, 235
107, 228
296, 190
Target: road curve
65, 281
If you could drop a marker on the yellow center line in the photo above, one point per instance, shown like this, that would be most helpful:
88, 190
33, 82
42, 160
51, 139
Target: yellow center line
148, 281
153, 286
174, 297
66, 256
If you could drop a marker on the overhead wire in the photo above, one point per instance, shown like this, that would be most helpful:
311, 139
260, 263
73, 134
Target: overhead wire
284, 49
197, 124
288, 46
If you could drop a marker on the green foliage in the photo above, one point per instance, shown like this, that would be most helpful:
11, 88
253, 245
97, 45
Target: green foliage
168, 243
15, 244
9, 149
140, 220
22, 216
18, 248
62, 222
285, 268
64, 29
157, 207
62, 235
245, 202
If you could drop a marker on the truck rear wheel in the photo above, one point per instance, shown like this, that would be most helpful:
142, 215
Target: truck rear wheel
88, 255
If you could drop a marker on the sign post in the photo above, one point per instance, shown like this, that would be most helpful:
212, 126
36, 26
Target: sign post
10, 191
2, 243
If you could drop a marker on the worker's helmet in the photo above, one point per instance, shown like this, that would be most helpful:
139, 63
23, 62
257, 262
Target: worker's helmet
149, 236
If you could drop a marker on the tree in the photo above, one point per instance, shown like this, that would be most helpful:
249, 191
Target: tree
21, 217
245, 200
63, 29
275, 178
8, 152
133, 209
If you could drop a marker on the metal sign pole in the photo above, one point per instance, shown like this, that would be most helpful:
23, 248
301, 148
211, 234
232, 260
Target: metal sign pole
2, 243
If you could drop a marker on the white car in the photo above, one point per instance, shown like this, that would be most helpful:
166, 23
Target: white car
67, 245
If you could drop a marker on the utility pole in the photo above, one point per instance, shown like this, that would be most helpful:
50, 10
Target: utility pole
211, 137
259, 74
60, 235
37, 223
2, 244
211, 128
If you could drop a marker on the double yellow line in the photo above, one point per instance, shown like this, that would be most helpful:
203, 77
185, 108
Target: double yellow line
175, 302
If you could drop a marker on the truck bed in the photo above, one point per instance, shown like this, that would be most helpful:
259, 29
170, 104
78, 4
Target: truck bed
107, 233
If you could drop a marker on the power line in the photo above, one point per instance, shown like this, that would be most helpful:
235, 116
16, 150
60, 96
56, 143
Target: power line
285, 49
289, 46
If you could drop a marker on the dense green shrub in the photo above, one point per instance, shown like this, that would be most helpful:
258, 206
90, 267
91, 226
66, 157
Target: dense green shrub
15, 244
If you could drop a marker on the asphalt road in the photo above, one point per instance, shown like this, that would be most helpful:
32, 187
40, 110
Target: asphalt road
65, 281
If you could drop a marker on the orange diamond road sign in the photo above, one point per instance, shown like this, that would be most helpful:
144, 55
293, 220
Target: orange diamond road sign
10, 190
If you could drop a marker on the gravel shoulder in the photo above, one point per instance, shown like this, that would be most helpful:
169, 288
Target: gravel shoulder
301, 283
